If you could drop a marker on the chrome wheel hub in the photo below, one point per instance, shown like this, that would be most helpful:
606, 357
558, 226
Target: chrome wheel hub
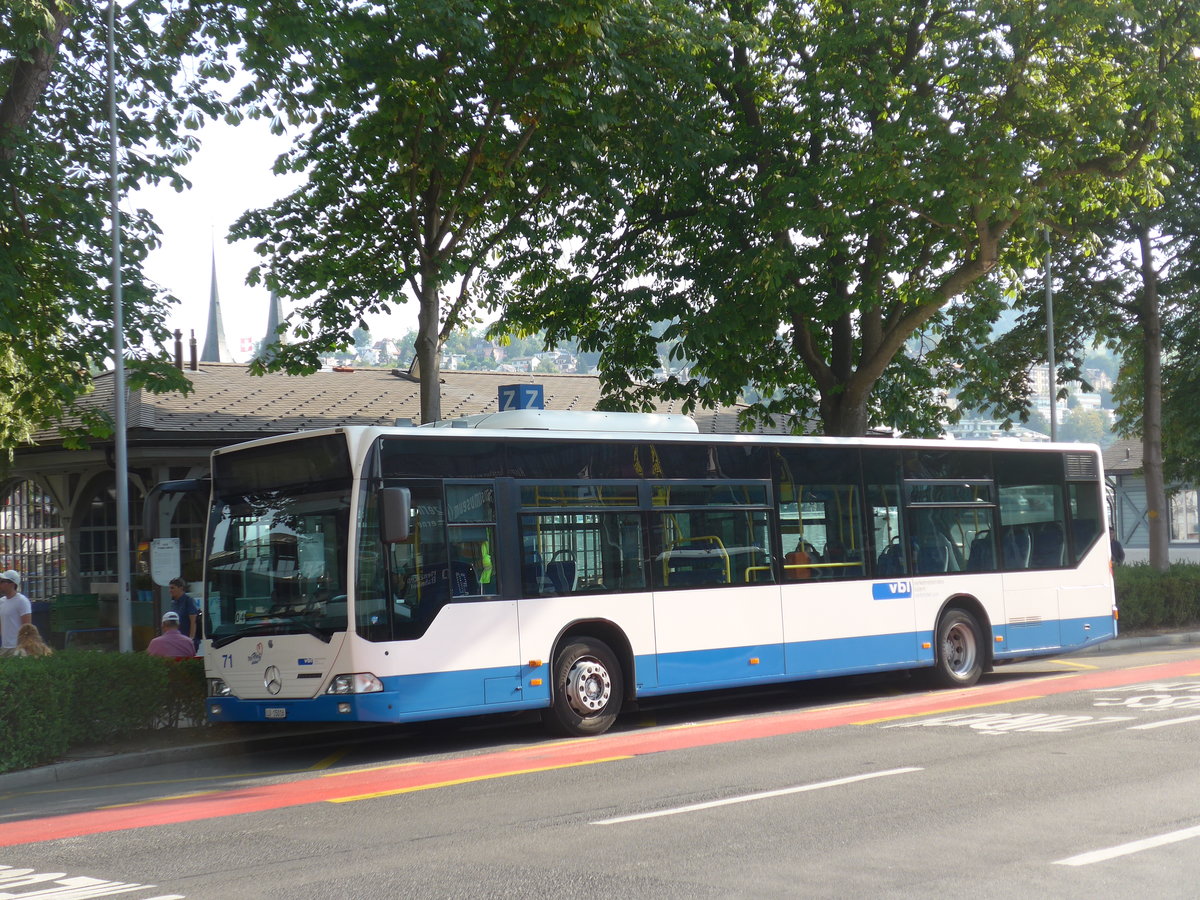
588, 686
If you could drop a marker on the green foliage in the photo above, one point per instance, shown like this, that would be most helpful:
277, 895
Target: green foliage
1086, 425
33, 717
800, 188
55, 234
1100, 280
76, 698
425, 129
1150, 599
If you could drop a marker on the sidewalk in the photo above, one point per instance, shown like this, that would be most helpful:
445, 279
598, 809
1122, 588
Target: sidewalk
182, 746
201, 743
1142, 641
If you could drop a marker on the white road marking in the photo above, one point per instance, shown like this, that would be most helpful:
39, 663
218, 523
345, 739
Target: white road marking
60, 886
764, 795
1164, 722
1084, 859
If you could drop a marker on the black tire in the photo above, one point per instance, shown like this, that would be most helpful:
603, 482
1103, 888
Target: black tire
959, 650
587, 690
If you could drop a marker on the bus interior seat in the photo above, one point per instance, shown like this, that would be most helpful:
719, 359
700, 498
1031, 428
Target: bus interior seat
1048, 545
982, 557
533, 579
561, 575
1015, 546
891, 559
935, 553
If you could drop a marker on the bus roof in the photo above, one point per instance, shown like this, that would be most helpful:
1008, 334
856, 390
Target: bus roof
573, 420
596, 426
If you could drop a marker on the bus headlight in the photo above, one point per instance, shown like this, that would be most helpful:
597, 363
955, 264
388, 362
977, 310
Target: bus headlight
357, 683
218, 688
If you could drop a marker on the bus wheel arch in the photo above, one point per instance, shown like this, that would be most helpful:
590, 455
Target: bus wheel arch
962, 645
589, 677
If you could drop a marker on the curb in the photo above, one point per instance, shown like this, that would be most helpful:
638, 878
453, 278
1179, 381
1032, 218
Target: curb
1122, 644
67, 770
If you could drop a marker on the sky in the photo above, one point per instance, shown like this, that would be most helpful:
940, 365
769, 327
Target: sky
230, 174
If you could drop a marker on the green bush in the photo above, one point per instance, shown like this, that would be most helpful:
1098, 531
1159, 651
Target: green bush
33, 721
76, 698
1150, 599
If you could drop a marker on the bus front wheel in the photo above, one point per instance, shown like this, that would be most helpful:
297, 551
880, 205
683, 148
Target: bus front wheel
587, 689
959, 658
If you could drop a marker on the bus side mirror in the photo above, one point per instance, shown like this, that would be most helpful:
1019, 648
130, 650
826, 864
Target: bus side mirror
395, 506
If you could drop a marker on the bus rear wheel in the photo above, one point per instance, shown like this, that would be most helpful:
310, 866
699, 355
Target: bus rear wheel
587, 689
959, 656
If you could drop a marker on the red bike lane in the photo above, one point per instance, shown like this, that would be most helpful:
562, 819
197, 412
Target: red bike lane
400, 778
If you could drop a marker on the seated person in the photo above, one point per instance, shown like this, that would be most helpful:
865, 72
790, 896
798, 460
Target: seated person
172, 643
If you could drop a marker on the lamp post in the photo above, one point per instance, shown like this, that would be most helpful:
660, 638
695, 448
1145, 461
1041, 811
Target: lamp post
120, 457
1050, 342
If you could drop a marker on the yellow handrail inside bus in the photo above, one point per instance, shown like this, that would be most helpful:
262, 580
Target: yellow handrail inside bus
712, 540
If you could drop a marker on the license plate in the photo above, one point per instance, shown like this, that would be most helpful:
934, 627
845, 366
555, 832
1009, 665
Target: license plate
276, 712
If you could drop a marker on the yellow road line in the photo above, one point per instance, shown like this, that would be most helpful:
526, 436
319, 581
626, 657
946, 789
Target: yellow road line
948, 709
328, 761
1068, 662
441, 784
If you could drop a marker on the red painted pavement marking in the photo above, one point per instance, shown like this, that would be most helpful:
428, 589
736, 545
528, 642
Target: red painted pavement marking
420, 776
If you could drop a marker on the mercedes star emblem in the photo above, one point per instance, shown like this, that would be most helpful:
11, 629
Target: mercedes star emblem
272, 680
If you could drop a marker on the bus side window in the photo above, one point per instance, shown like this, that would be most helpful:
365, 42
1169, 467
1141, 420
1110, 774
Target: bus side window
881, 476
581, 552
471, 513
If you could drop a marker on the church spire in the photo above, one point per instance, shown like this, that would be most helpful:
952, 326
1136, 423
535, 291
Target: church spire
215, 349
274, 317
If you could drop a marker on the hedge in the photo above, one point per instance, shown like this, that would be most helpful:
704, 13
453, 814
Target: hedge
76, 698
1150, 599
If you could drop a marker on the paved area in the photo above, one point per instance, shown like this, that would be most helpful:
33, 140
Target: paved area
201, 743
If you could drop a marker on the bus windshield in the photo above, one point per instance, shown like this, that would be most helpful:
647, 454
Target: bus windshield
277, 559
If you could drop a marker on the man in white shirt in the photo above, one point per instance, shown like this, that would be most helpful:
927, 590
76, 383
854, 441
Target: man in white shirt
15, 610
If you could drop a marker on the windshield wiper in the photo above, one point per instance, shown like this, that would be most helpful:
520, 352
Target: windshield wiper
285, 626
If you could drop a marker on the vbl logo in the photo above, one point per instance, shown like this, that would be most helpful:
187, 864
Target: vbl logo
891, 590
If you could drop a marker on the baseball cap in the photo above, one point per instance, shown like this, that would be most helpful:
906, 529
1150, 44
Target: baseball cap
13, 576
171, 616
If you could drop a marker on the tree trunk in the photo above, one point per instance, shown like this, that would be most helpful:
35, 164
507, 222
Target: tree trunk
428, 351
1157, 520
29, 79
843, 415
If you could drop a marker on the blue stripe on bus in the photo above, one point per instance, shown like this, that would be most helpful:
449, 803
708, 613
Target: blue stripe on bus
433, 695
721, 663
406, 698
1053, 637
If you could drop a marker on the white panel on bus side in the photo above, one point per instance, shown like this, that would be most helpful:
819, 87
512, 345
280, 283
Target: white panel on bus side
718, 634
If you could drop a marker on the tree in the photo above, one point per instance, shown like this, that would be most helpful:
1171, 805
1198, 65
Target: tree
1082, 424
1137, 286
805, 186
426, 131
55, 240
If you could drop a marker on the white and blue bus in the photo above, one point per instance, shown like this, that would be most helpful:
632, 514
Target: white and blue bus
570, 562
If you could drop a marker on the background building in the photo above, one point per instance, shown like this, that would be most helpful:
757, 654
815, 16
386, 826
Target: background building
1123, 466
